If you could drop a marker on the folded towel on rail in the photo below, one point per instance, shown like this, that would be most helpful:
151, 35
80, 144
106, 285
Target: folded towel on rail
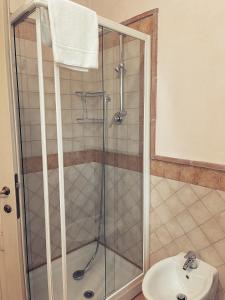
73, 34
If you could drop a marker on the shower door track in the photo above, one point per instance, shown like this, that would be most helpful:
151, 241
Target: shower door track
134, 285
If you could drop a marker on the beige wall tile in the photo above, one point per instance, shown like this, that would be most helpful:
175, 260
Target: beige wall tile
49, 85
184, 244
67, 145
66, 102
212, 230
164, 213
51, 146
198, 238
66, 116
33, 115
211, 256
186, 221
165, 189
51, 132
35, 132
155, 180
132, 66
132, 84
174, 228
65, 86
34, 100
132, 49
221, 220
36, 148
213, 202
200, 191
67, 131
187, 195
48, 69
175, 205
220, 247
175, 185
155, 221
30, 49
156, 198
158, 255
199, 212
32, 83
163, 235
25, 131
155, 243
172, 249
50, 117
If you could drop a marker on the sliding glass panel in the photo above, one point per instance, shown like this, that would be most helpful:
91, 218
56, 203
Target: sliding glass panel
83, 140
123, 74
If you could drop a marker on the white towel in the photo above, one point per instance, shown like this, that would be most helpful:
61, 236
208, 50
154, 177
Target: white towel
74, 34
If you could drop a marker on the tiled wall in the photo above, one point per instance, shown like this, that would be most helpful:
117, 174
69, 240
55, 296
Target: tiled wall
75, 136
123, 139
82, 196
188, 217
124, 213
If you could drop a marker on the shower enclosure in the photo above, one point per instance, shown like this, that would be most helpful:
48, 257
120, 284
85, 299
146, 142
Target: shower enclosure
84, 147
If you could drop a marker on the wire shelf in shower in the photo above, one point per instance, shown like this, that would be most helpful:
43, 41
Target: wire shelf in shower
83, 96
89, 94
89, 121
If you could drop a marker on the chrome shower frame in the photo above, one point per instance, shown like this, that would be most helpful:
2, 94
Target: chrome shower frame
133, 287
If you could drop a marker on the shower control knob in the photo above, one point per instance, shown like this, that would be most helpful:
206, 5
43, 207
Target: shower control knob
7, 209
5, 191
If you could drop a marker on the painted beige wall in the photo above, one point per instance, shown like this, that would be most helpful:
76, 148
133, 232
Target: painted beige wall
14, 4
191, 74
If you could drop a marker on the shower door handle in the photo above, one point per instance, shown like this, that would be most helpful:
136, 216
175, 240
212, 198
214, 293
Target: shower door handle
5, 192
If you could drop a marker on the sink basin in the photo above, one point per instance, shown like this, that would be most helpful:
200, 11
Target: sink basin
166, 280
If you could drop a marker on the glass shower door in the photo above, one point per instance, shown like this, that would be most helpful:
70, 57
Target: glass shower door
123, 80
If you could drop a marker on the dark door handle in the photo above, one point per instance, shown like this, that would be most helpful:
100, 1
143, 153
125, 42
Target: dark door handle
5, 191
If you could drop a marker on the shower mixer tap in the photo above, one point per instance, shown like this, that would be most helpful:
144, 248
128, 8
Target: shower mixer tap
120, 67
118, 117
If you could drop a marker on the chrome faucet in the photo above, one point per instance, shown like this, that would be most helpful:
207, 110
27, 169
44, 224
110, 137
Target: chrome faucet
191, 261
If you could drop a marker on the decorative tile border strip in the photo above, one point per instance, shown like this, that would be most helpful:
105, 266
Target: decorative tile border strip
209, 178
124, 161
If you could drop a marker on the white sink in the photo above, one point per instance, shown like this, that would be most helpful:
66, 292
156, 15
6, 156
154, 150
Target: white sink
166, 279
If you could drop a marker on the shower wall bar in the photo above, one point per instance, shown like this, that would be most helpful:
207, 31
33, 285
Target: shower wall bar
18, 16
121, 70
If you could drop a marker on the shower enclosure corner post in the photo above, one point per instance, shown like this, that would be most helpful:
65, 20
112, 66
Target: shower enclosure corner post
146, 155
44, 152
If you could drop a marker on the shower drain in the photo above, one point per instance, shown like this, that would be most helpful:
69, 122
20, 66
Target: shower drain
181, 297
89, 294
